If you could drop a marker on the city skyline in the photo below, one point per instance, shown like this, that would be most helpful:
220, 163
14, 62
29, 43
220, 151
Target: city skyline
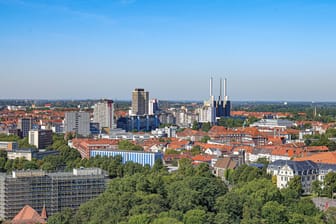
267, 49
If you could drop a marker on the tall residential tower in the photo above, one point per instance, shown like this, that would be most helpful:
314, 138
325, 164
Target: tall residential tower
103, 113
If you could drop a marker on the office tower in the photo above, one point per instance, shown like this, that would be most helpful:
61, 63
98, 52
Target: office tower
56, 191
153, 106
103, 113
77, 122
140, 99
40, 138
25, 125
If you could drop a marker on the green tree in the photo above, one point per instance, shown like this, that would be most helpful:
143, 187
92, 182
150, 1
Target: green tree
295, 185
195, 125
140, 219
274, 213
64, 217
206, 127
317, 187
195, 216
205, 139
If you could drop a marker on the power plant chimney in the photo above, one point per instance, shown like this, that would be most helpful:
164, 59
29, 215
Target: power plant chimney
220, 90
225, 90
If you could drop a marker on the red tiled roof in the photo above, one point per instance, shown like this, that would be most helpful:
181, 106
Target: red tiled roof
322, 157
28, 215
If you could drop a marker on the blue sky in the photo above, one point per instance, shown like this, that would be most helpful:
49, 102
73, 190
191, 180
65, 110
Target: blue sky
268, 50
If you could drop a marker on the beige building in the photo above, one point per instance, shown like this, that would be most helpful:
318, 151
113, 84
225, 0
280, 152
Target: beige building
140, 102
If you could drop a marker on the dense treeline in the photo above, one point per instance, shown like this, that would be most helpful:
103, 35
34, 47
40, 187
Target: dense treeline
193, 195
325, 112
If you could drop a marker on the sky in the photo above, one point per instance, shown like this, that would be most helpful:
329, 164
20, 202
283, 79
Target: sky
74, 49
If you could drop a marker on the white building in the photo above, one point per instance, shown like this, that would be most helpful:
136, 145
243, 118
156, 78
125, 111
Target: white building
103, 113
77, 122
40, 138
273, 123
153, 106
286, 170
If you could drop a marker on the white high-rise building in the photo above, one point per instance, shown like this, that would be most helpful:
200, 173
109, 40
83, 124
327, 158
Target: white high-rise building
153, 106
78, 122
103, 113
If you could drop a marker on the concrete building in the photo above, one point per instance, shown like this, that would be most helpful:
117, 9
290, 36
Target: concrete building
30, 154
77, 122
40, 138
56, 191
25, 125
140, 102
139, 123
273, 123
8, 146
153, 106
103, 113
143, 158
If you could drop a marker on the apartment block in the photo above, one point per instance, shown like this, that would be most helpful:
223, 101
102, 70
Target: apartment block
54, 190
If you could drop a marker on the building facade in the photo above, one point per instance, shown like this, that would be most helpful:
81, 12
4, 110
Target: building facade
40, 138
153, 106
103, 113
140, 102
77, 122
139, 123
143, 158
285, 170
8, 146
25, 125
54, 190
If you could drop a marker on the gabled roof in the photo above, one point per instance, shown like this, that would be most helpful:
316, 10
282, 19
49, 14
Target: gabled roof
226, 163
298, 166
322, 157
28, 215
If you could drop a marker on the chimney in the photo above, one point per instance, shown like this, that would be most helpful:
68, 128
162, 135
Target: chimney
220, 90
225, 90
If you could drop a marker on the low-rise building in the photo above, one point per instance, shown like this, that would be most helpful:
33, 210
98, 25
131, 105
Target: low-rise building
30, 154
143, 158
8, 146
286, 170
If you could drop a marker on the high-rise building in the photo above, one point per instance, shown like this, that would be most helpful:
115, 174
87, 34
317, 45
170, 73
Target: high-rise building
54, 190
77, 122
103, 113
153, 106
140, 100
40, 138
25, 125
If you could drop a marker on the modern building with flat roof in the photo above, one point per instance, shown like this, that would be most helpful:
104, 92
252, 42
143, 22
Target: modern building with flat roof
140, 102
103, 113
54, 190
40, 138
143, 158
77, 122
